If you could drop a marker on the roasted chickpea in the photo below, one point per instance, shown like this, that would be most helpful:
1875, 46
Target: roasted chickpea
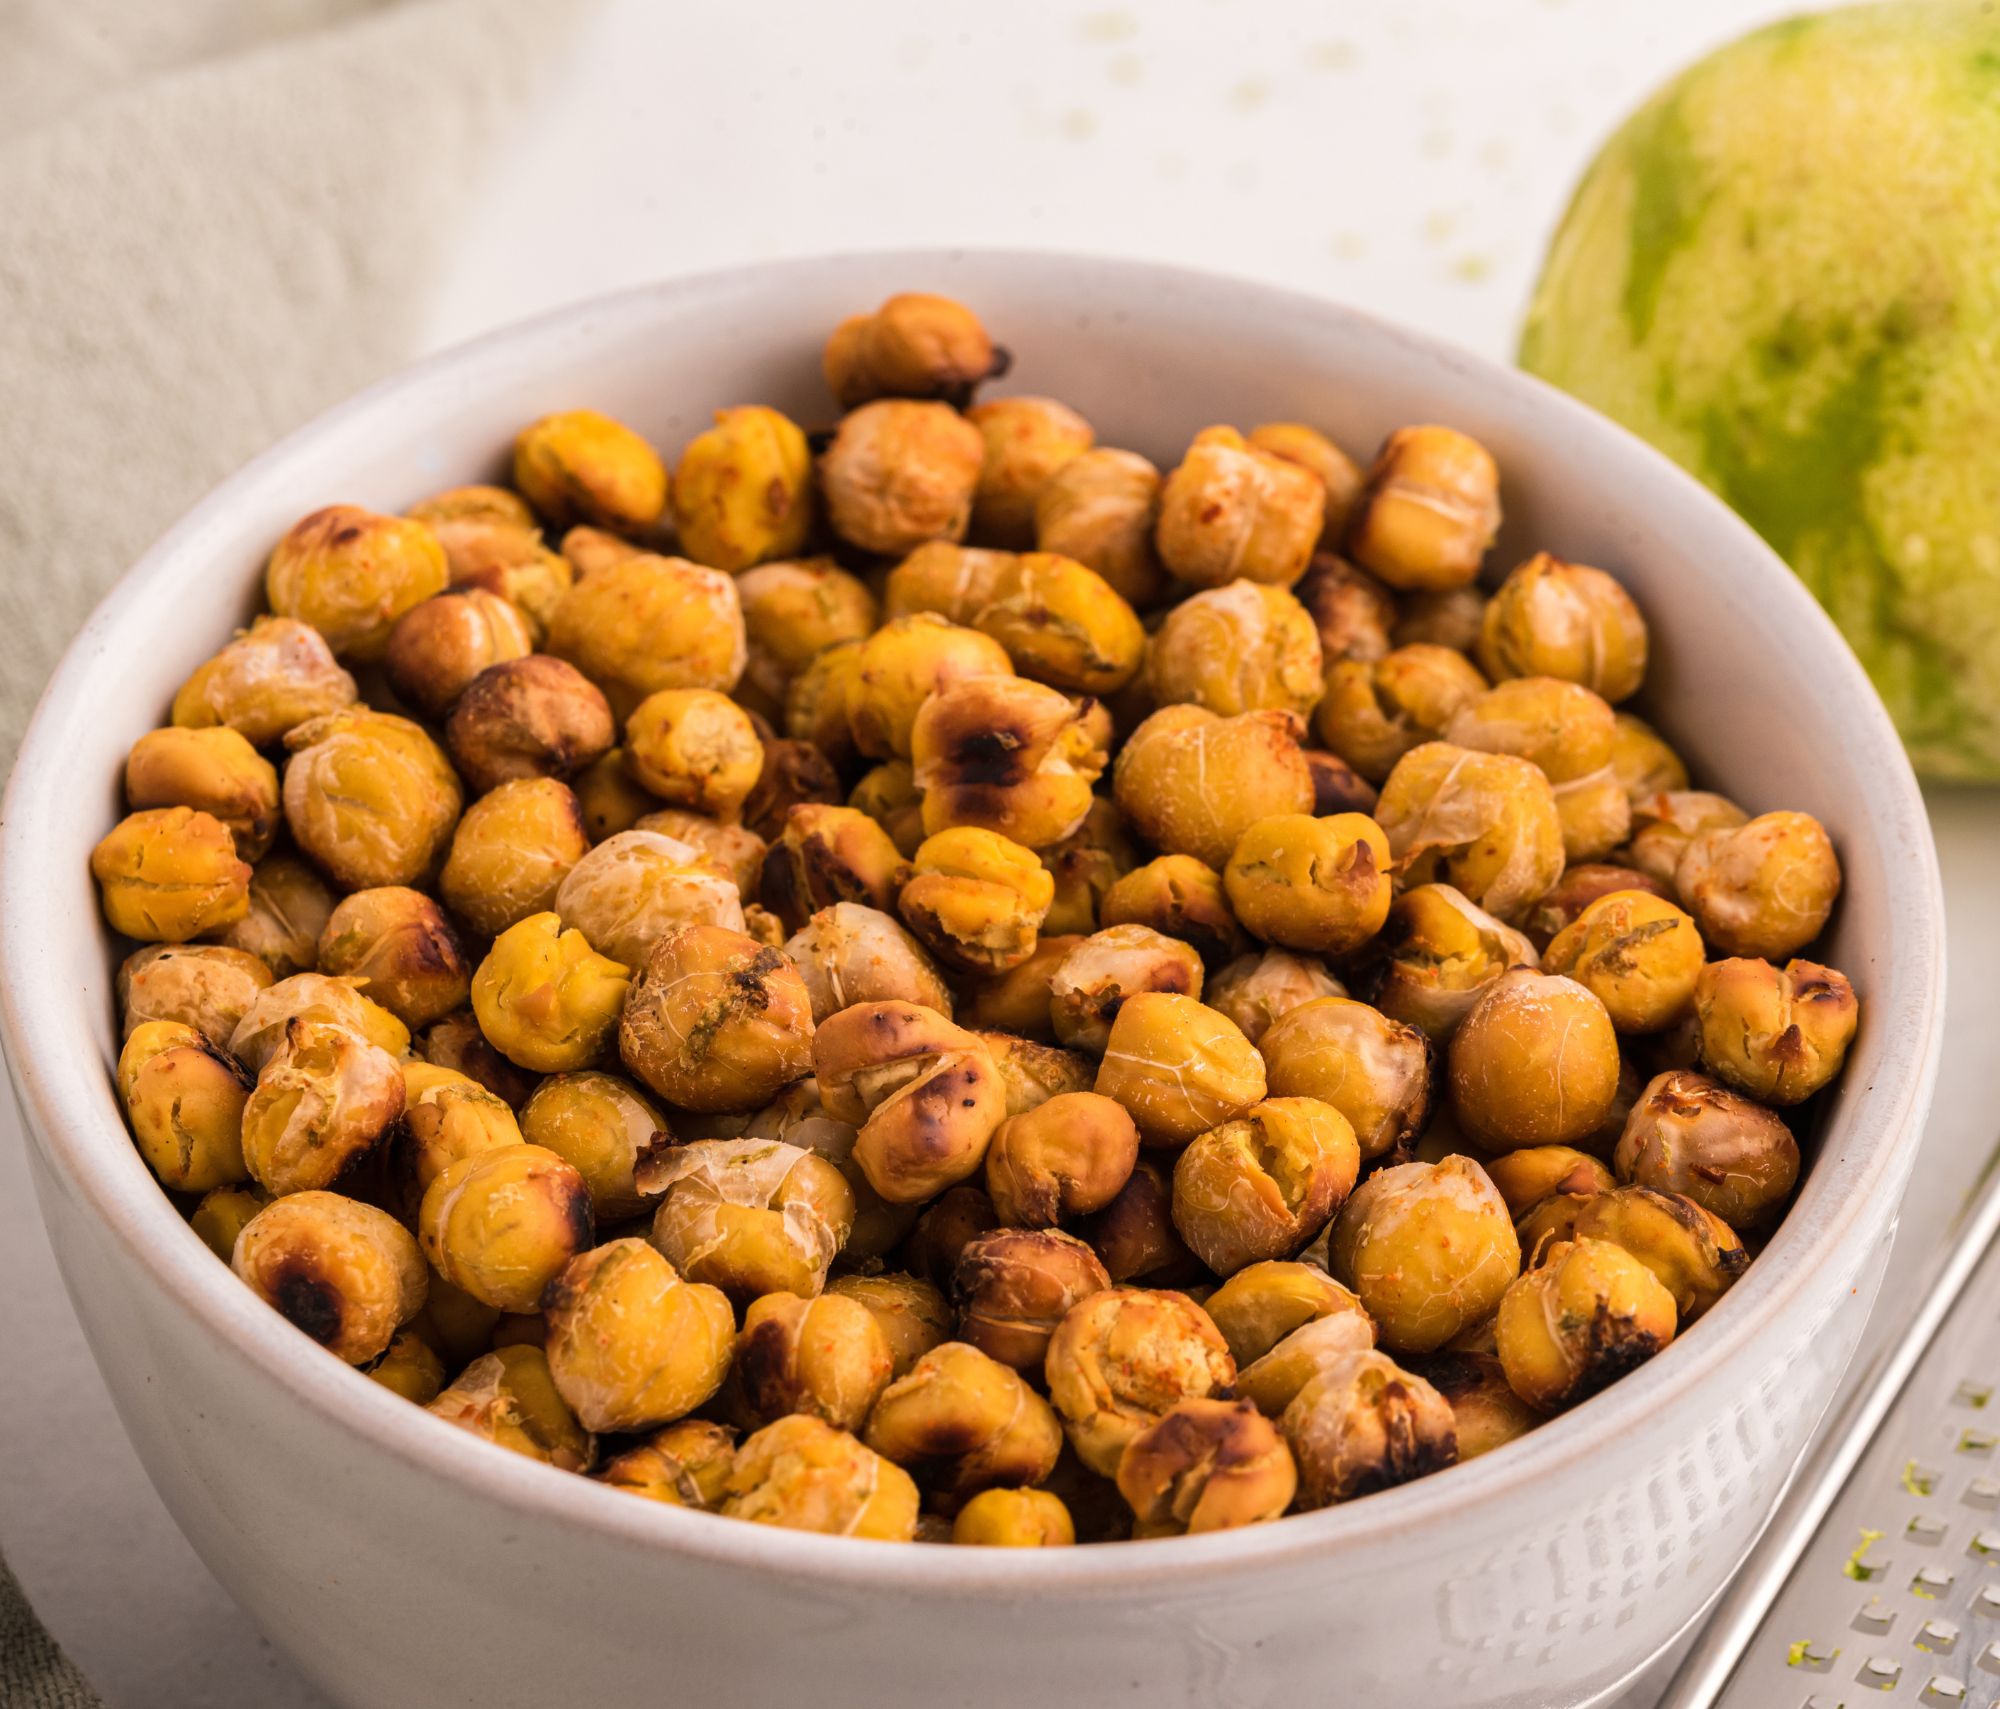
1566, 731
1062, 624
447, 1116
749, 1216
1643, 761
791, 611
1428, 510
1534, 1062
648, 623
1255, 991
630, 1344
1440, 952
1449, 617
686, 1464
1002, 754
1018, 1000
1485, 823
184, 1097
1207, 1465
1551, 618
502, 1223
1014, 1519
692, 747
289, 905
899, 473
1352, 612
511, 852
911, 1314
743, 491
260, 1033
209, 987
735, 849
1263, 1303
399, 945
1374, 711
1261, 1186
1274, 1380
1579, 886
1238, 648
818, 698
1102, 972
915, 345
1579, 1320
214, 771
1231, 510
528, 717
1524, 1178
1777, 1035
1320, 885
351, 573
889, 795
1338, 787
1015, 1285
410, 1368
976, 899
1028, 440
970, 1419
370, 797
492, 544
637, 887
1088, 865
457, 1043
1068, 1156
1695, 1254
1179, 1067
580, 466
605, 1128
1135, 1235
1031, 1074
1192, 783
322, 1100
1663, 827
827, 855
1311, 449
803, 1474
1364, 1423
901, 665
849, 954
1762, 889
274, 676
345, 1273
1375, 1071
1101, 508
1487, 1412
799, 1116
166, 874
1639, 955
223, 1214
1124, 1357
1689, 1134
958, 1216
546, 999
826, 1357
509, 1399
717, 1021
438, 648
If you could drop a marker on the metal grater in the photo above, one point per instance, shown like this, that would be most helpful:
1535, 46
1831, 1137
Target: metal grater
1878, 1579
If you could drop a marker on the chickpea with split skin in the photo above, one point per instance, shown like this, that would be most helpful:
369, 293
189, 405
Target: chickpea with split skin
1032, 1073
1015, 1285
1320, 885
748, 1216
507, 1397
273, 677
1374, 711
1178, 897
1232, 511
637, 887
1375, 1071
1100, 508
1105, 971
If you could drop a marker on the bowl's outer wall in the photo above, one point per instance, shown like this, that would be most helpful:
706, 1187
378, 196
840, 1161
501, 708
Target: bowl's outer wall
402, 1564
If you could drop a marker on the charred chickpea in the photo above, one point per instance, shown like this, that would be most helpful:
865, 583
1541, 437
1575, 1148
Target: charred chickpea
1179, 897
1578, 1321
685, 1464
646, 623
1689, 1134
1761, 889
1486, 1410
209, 987
184, 1097
580, 466
344, 1273
438, 648
1207, 1465
1062, 624
1485, 823
889, 795
214, 771
1352, 612
604, 1127
1320, 885
1014, 1519
1098, 976
274, 676
1255, 990
1641, 956
1664, 826
351, 573
1003, 754
955, 1218
826, 1357
1694, 1253
791, 611
1123, 1358
743, 491
502, 1223
260, 1033
1311, 449
804, 1475
970, 1419
1261, 1186
1534, 1062
1525, 1178
1449, 617
717, 1021
1428, 510
749, 1216
1580, 886
529, 717
1135, 1235
1440, 952
1775, 1034
508, 1398
634, 888
1364, 1423
1028, 440
1374, 1070
1067, 1157
510, 853
827, 855
1551, 618
849, 954
976, 899
911, 1314
1100, 508
1179, 1067
899, 473
1238, 648
547, 1000
915, 345
1428, 1247
630, 1344
223, 1214
1192, 783
1231, 510
1263, 1303
401, 947
1015, 1285
167, 874
1374, 711
1567, 732
322, 1101
1643, 761
901, 666
370, 797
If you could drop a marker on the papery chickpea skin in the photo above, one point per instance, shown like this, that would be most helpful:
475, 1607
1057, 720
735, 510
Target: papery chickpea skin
351, 573
916, 345
274, 676
684, 1464
1109, 967
370, 797
1320, 885
344, 1273
1485, 823
438, 648
827, 855
581, 466
1568, 733
1231, 510
1031, 1073
1261, 1186
1552, 618
1238, 648
1014, 1519
1125, 1357
1374, 711
826, 1357
1665, 825
1192, 783
1065, 1158
446, 1116
502, 1223
1255, 991
1765, 888
1003, 754
602, 1125
749, 1216
214, 771
1363, 1424
1689, 1134
1641, 956
849, 954
899, 473
804, 1475
799, 1116
970, 1420
260, 1033
1375, 1071
1100, 508
1262, 1304
1179, 1067
735, 849
635, 888
167, 874
1440, 952
717, 1021
209, 987
1428, 510
508, 1398
184, 1098
532, 717
1775, 1034
743, 491
1580, 1319
791, 612
1028, 440
1181, 898
398, 942
1207, 1465
323, 1101
510, 853
647, 623
1534, 1062
547, 1000
1015, 1285
976, 900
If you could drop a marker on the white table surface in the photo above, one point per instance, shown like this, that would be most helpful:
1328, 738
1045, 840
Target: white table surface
1409, 159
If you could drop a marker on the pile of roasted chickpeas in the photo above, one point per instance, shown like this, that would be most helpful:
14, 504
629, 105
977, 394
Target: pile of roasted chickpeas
1184, 1009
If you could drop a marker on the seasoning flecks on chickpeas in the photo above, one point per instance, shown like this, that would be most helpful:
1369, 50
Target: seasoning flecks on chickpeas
1689, 1134
743, 491
749, 1216
1231, 511
271, 678
1487, 824
1764, 888
647, 623
1101, 973
1374, 1070
976, 899
1124, 1357
209, 987
399, 944
1192, 783
1261, 1186
1586, 1314
1640, 955
531, 717
1775, 1034
900, 472
1028, 440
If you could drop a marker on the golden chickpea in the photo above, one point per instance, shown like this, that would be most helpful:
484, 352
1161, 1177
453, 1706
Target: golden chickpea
1261, 1186
1101, 508
580, 466
1192, 783
1644, 762
1375, 1071
1014, 1519
1689, 1134
647, 623
1524, 1178
1534, 1062
1440, 952
446, 1116
1761, 889
502, 1223
717, 1021
370, 797
1178, 1067
791, 611
637, 887
167, 874
1256, 991
1363, 1424
399, 944
1028, 440
956, 582
1274, 1380
1062, 624
472, 509
915, 345
694, 748
1207, 1465
1261, 1304
686, 1464
1122, 1358
344, 1273
1376, 710
1428, 510
509, 1399
799, 1116
1135, 1235
970, 1419
1179, 897
323, 1100
1311, 449
214, 771
223, 1214
849, 954
1448, 618
209, 987
184, 1097
743, 491
1694, 1253
260, 1033
899, 473
1006, 755
605, 1128
511, 852
1231, 510
437, 648
818, 698
1777, 1035
889, 795
1551, 618
1584, 1316
1014, 1286
1243, 647
825, 1357
793, 774
630, 1344
1566, 731
1639, 955
1484, 823
1664, 826
976, 899
546, 999
1320, 885
351, 573
805, 1475
1066, 1157
749, 1216
531, 717
410, 1368
611, 800
1487, 1412
1580, 886
1107, 969
275, 675
901, 665
827, 855
457, 1325
911, 1314
1352, 612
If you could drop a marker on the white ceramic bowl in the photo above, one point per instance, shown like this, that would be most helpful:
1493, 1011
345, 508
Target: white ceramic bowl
401, 1563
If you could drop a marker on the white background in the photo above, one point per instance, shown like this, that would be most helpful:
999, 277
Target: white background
1409, 158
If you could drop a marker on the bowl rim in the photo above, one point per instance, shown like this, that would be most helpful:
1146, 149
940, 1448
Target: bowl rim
51, 1068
